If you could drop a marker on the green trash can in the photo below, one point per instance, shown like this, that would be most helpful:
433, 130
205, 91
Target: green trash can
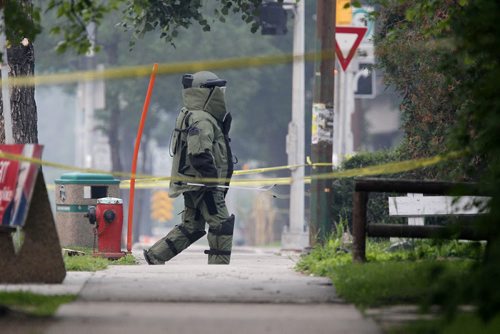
75, 192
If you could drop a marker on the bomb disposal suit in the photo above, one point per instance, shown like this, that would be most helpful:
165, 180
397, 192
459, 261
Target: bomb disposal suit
201, 154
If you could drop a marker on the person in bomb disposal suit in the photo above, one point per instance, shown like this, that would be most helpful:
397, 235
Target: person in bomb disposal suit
201, 151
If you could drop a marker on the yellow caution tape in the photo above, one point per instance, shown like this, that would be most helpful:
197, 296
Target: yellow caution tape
165, 68
317, 164
141, 178
148, 181
390, 167
265, 169
17, 157
382, 169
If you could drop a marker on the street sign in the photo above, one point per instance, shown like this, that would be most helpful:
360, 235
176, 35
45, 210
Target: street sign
365, 85
347, 40
361, 17
17, 181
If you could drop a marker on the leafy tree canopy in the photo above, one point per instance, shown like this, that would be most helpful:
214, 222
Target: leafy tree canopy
443, 57
21, 20
167, 17
249, 90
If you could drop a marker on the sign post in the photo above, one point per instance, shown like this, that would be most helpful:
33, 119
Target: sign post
347, 41
24, 203
17, 181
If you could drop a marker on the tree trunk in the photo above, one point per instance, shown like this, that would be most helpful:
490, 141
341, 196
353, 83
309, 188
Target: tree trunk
22, 98
39, 259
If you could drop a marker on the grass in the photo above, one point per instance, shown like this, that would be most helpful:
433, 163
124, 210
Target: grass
127, 260
416, 275
33, 304
88, 262
46, 305
395, 277
393, 282
462, 324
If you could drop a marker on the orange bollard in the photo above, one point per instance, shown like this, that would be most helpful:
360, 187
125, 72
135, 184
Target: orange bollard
136, 154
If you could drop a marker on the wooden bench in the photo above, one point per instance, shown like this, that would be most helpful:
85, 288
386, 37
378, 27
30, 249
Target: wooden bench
417, 206
403, 207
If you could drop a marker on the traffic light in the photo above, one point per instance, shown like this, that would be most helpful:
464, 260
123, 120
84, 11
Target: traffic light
161, 206
272, 18
344, 13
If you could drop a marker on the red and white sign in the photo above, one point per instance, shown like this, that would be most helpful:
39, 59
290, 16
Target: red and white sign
17, 181
347, 40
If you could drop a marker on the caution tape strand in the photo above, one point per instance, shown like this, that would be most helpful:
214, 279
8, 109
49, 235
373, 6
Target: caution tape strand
165, 69
148, 181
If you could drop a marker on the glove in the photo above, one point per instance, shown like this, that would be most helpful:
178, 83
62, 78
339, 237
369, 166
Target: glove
204, 164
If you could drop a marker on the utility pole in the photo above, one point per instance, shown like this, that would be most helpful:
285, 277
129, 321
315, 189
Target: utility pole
85, 105
322, 122
295, 236
89, 105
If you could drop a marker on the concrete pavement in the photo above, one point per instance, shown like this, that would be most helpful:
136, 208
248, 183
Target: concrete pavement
258, 293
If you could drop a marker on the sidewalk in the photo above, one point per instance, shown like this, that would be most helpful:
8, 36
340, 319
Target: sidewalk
258, 293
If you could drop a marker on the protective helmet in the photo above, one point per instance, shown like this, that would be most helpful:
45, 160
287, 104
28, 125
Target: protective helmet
203, 79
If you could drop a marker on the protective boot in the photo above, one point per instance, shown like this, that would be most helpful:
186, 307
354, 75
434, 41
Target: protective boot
172, 244
220, 241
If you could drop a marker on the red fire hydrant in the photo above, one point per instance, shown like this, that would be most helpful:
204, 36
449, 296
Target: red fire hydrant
108, 219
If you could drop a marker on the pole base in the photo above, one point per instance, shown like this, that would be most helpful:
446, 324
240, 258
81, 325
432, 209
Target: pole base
294, 240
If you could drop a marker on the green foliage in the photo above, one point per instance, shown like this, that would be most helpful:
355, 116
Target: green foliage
417, 327
476, 29
439, 249
85, 263
386, 283
88, 262
248, 92
21, 20
466, 323
343, 189
73, 20
321, 261
128, 260
167, 18
443, 57
471, 324
414, 275
34, 304
413, 47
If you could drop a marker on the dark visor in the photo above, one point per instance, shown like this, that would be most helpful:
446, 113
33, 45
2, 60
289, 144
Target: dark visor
214, 83
187, 80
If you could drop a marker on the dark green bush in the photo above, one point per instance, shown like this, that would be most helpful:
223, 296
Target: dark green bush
378, 211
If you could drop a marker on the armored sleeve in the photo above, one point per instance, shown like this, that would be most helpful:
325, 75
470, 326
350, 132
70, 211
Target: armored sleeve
200, 137
199, 148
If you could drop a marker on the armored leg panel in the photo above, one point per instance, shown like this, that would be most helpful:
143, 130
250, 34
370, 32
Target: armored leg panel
169, 246
181, 236
220, 240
